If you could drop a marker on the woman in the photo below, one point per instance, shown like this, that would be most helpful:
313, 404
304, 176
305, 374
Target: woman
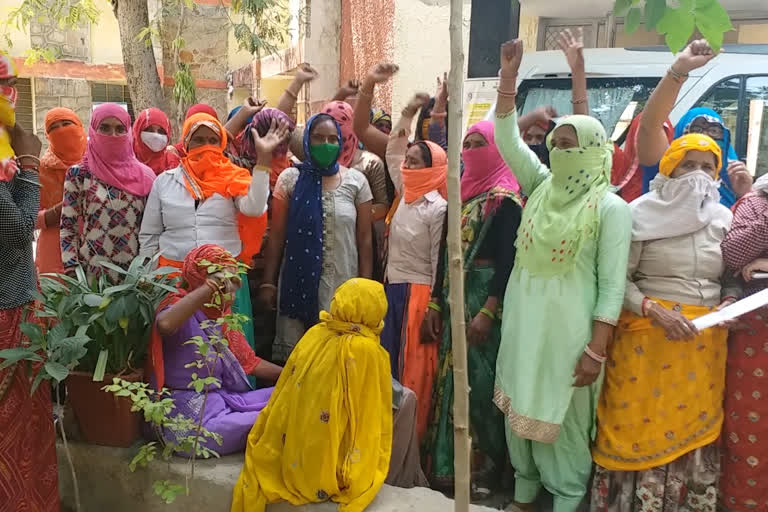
660, 412
745, 251
107, 192
231, 408
261, 122
29, 478
178, 149
66, 146
736, 180
563, 298
491, 215
151, 133
415, 229
381, 121
208, 199
320, 235
327, 433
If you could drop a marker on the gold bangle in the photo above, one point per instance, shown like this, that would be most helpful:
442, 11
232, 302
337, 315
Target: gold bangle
677, 76
506, 94
434, 307
579, 102
487, 312
262, 168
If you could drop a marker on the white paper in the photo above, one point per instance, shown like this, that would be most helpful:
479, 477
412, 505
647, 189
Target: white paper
760, 275
735, 310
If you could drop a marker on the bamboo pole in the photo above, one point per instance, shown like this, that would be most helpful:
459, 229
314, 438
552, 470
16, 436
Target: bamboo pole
461, 441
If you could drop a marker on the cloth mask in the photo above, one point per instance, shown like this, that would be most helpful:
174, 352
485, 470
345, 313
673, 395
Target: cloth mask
324, 154
157, 142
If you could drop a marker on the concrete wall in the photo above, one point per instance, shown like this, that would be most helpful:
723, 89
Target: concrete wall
60, 92
321, 48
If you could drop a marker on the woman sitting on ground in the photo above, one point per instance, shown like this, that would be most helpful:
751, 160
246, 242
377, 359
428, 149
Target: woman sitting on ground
232, 409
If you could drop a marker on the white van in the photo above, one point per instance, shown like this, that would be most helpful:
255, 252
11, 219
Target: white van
620, 81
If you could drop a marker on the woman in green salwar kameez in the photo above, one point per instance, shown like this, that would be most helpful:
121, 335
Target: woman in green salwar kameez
490, 218
563, 298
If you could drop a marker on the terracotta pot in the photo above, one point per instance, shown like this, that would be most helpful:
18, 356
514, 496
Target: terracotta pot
104, 418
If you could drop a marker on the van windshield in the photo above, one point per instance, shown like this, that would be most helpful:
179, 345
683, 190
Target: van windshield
614, 101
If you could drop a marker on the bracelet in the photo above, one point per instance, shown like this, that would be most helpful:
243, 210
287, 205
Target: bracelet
434, 307
439, 115
594, 355
646, 305
487, 312
677, 76
33, 157
267, 285
579, 102
362, 92
262, 168
506, 94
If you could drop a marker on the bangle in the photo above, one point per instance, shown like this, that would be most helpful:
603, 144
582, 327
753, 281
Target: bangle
362, 92
434, 307
677, 76
439, 115
267, 285
262, 168
487, 312
506, 94
579, 102
646, 305
594, 355
33, 157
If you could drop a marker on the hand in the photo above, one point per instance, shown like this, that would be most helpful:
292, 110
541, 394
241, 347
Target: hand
543, 115
441, 95
253, 106
267, 298
573, 48
741, 179
759, 265
306, 73
24, 142
511, 57
227, 281
695, 55
419, 100
733, 322
53, 216
676, 326
587, 371
350, 89
432, 327
266, 145
479, 328
383, 72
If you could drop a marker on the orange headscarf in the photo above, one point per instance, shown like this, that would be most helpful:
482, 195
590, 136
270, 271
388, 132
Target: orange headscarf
417, 182
211, 172
66, 148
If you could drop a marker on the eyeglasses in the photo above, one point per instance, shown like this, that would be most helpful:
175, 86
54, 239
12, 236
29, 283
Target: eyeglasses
713, 130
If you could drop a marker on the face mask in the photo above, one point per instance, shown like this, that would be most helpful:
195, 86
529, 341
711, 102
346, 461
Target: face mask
695, 185
323, 155
154, 141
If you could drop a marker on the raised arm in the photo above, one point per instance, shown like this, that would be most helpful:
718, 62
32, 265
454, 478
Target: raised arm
397, 144
572, 46
651, 140
373, 140
304, 74
239, 121
347, 90
437, 122
529, 171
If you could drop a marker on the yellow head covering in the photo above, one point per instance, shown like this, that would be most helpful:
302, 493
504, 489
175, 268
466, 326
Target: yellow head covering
359, 302
680, 147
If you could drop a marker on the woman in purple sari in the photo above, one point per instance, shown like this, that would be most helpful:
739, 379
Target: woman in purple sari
230, 410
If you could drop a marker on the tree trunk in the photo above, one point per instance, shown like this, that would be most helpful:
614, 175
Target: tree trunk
461, 441
138, 58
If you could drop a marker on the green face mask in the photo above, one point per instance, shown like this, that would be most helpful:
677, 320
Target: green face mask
324, 154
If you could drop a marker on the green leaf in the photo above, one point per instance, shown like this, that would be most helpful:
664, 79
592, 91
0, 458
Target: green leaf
101, 366
38, 379
32, 331
56, 370
118, 288
10, 356
654, 11
633, 19
113, 267
712, 21
677, 25
92, 300
80, 273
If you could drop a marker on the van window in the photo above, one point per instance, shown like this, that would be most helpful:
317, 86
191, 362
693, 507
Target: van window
724, 99
614, 101
756, 120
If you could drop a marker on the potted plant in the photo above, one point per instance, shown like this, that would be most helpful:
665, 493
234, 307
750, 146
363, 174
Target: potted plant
116, 319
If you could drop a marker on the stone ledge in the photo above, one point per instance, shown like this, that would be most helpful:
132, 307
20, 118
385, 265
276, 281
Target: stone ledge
106, 484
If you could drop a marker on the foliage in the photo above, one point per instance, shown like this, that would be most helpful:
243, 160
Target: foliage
100, 327
678, 24
184, 91
263, 25
68, 14
179, 434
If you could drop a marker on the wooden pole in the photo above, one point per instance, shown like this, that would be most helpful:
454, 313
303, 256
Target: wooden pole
461, 441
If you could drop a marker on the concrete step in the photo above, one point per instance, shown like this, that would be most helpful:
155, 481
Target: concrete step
107, 485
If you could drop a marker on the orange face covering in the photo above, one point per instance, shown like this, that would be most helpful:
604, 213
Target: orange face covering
66, 148
213, 173
417, 182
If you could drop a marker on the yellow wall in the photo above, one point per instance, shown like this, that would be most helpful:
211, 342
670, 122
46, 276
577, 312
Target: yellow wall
105, 37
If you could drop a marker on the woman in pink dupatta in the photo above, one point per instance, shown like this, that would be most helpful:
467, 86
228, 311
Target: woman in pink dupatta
107, 192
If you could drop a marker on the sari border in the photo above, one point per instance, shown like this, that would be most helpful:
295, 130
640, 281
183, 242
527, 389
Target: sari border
523, 426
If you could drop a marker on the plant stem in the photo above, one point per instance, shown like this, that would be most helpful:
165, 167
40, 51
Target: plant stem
66, 451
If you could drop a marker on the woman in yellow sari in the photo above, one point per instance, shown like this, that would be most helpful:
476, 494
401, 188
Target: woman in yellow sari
661, 409
327, 430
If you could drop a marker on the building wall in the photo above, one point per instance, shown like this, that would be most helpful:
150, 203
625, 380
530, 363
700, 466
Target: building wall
322, 48
50, 93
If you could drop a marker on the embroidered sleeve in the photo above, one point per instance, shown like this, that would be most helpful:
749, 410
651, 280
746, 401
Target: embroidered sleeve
747, 239
70, 213
243, 352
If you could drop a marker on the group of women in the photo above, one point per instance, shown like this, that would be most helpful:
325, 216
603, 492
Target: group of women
583, 358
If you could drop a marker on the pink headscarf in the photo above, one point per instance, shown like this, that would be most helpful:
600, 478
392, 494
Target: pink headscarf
111, 159
343, 113
484, 168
